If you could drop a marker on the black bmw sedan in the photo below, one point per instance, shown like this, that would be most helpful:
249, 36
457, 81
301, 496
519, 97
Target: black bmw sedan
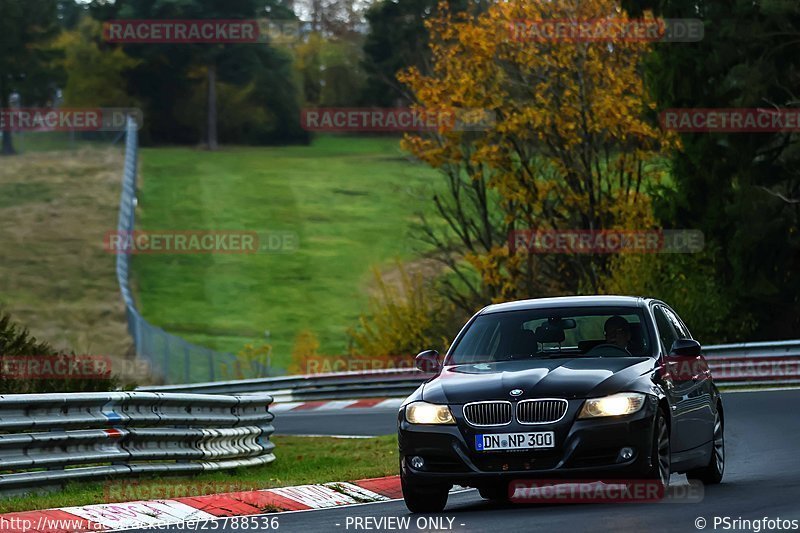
595, 387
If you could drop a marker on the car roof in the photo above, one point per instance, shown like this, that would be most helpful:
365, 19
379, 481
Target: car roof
565, 301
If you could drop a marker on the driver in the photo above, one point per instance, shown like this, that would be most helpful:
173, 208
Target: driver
617, 331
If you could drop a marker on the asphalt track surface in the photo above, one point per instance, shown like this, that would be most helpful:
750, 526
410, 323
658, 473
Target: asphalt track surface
357, 422
762, 479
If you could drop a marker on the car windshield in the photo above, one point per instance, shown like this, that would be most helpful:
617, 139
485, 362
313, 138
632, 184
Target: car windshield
563, 332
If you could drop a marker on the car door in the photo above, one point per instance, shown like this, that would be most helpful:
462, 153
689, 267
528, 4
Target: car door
700, 414
676, 384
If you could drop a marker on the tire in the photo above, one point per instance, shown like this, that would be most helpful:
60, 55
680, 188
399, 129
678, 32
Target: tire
497, 493
712, 473
424, 499
660, 453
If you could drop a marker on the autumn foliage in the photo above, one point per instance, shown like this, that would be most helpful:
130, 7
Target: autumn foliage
405, 319
574, 146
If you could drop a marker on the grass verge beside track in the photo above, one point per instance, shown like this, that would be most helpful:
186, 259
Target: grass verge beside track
350, 200
55, 277
299, 460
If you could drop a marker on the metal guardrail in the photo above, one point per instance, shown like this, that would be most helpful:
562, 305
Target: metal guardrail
339, 385
50, 439
754, 349
754, 363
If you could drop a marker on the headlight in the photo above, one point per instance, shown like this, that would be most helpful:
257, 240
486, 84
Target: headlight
623, 403
428, 413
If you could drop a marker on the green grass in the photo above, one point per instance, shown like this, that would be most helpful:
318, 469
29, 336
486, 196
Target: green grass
299, 460
351, 201
55, 277
20, 193
48, 141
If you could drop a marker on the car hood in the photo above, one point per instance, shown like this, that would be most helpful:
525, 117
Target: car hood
580, 377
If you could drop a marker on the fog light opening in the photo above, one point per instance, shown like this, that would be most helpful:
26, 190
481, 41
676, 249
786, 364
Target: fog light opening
626, 453
417, 462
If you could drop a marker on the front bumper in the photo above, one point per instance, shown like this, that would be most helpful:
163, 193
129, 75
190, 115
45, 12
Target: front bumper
584, 449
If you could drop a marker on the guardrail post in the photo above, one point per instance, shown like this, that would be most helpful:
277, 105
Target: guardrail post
211, 364
167, 369
186, 364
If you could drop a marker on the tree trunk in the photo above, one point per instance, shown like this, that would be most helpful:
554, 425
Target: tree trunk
212, 108
8, 145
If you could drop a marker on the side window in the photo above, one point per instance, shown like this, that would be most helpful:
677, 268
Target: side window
683, 333
665, 331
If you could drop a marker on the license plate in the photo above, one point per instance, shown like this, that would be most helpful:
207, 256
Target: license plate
515, 441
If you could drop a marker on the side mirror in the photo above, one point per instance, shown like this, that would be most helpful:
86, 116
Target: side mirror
685, 348
428, 361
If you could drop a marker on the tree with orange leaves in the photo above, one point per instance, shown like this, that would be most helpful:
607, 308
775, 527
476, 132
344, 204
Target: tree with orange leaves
574, 145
